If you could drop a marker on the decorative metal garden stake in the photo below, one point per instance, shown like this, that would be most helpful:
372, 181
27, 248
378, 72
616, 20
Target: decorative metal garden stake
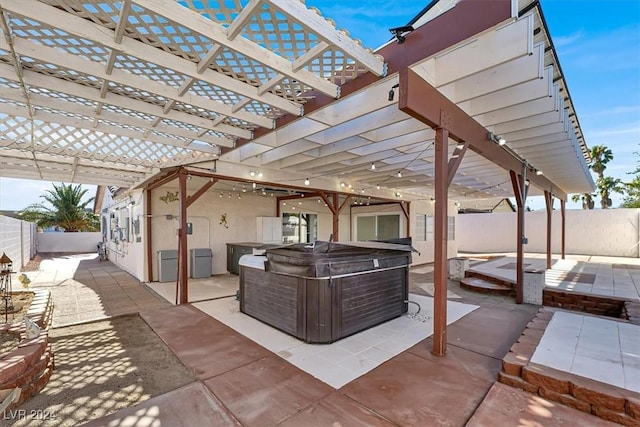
6, 267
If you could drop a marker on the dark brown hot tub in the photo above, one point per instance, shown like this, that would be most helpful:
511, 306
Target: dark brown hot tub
324, 293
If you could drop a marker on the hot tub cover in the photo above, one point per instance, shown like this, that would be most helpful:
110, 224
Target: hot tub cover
327, 259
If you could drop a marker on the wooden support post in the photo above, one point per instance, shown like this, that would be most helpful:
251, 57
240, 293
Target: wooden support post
182, 236
562, 214
336, 218
516, 182
440, 249
548, 199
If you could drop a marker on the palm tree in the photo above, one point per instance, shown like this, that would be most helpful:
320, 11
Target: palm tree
607, 185
632, 199
66, 210
587, 200
600, 156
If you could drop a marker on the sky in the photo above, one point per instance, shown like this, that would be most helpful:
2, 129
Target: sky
598, 44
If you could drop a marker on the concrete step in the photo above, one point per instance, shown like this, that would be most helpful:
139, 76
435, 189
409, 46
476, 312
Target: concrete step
480, 285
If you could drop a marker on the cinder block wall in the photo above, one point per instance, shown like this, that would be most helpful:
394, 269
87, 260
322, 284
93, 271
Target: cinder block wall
606, 232
16, 240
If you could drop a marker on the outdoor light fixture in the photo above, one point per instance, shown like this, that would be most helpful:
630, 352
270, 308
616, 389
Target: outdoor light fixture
392, 92
498, 139
373, 166
399, 174
400, 33
342, 184
306, 181
254, 173
377, 186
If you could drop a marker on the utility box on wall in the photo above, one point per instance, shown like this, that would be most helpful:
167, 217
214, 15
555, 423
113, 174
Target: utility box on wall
201, 263
167, 265
269, 229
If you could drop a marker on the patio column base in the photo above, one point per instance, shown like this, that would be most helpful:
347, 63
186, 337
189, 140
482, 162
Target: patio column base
534, 281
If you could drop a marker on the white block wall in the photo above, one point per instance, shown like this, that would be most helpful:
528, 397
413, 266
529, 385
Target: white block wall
16, 240
68, 242
606, 232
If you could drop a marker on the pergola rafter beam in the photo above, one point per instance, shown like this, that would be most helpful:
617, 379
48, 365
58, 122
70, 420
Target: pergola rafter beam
217, 33
82, 28
104, 128
62, 59
318, 25
82, 110
52, 84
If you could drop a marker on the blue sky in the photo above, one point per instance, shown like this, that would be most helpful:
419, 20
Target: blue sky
598, 43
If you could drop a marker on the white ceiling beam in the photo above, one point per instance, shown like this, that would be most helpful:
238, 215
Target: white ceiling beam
86, 111
74, 167
373, 97
60, 58
82, 28
394, 130
20, 154
284, 151
299, 129
373, 120
505, 43
217, 33
497, 78
52, 84
104, 128
241, 19
322, 28
513, 95
528, 122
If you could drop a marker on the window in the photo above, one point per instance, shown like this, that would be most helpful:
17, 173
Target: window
299, 227
377, 227
451, 228
424, 228
420, 234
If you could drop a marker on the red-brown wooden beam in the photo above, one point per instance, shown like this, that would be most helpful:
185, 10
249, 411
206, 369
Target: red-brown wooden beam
182, 236
195, 196
456, 159
425, 103
548, 201
440, 249
562, 214
467, 19
516, 182
162, 181
336, 219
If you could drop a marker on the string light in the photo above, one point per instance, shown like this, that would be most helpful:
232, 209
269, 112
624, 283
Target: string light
373, 166
399, 174
306, 181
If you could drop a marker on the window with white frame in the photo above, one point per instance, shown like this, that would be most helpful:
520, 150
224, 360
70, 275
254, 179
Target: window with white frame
377, 227
420, 234
424, 228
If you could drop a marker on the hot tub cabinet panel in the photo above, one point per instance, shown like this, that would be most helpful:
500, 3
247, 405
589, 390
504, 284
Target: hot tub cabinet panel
323, 310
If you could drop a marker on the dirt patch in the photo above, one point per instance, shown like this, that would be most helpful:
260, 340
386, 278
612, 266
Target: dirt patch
102, 367
33, 264
21, 302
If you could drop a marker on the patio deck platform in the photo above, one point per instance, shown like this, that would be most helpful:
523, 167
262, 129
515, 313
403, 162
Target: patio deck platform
604, 276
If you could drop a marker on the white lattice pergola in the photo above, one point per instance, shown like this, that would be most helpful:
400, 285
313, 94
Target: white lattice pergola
108, 92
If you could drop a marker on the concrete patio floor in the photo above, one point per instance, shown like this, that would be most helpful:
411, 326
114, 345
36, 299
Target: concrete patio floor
239, 382
597, 275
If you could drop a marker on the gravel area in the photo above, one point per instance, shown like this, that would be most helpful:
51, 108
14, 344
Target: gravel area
101, 367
